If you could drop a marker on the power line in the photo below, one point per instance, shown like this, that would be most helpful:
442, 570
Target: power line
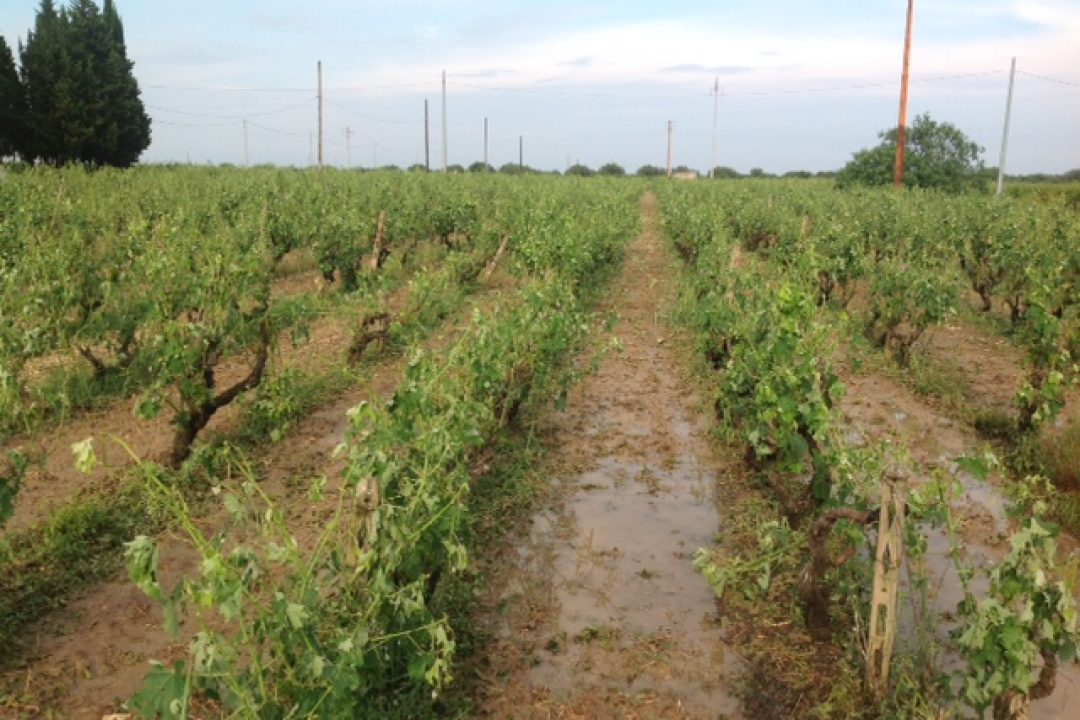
229, 117
240, 89
749, 93
195, 125
275, 130
1050, 79
371, 117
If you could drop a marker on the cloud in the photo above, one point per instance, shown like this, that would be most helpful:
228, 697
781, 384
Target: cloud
583, 61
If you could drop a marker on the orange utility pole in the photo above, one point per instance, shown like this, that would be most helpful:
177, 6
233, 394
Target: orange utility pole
901, 126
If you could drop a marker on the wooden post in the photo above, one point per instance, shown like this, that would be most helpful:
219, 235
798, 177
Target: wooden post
320, 116
445, 151
715, 113
427, 138
1005, 131
883, 598
668, 166
901, 126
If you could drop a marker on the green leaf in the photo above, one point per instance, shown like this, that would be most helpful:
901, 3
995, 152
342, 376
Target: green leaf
164, 693
297, 614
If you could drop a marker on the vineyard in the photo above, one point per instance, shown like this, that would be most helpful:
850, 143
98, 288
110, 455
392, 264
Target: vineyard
279, 444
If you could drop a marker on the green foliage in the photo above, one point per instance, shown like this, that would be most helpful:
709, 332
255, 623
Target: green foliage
81, 98
722, 172
779, 549
938, 155
1025, 619
611, 169
12, 102
348, 625
12, 471
578, 170
649, 171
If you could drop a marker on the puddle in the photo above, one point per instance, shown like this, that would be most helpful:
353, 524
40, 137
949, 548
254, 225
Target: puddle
602, 614
631, 613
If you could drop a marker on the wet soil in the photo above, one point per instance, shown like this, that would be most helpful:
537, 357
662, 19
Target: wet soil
992, 368
877, 408
597, 609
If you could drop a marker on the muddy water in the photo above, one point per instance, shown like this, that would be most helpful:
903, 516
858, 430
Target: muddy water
879, 409
631, 613
600, 613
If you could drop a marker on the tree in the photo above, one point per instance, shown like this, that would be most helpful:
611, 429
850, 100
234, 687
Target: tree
938, 155
512, 168
579, 171
46, 82
481, 167
12, 101
611, 169
122, 95
721, 171
649, 171
81, 98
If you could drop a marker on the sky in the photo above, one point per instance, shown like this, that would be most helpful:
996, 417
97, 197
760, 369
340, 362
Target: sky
804, 84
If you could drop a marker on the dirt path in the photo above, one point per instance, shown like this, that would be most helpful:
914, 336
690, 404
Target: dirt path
600, 613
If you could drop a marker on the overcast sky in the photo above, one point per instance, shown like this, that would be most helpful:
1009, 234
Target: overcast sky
805, 83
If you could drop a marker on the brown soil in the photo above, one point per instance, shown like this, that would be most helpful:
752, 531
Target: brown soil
597, 610
992, 368
92, 655
54, 480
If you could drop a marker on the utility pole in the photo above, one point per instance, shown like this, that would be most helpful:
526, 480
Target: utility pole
445, 154
320, 117
1005, 132
247, 158
348, 147
485, 144
521, 151
427, 139
310, 148
901, 126
668, 166
715, 112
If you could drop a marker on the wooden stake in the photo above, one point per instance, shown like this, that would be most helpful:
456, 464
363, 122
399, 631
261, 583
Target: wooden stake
883, 599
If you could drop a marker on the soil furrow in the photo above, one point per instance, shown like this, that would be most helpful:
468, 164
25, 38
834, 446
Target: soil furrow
600, 611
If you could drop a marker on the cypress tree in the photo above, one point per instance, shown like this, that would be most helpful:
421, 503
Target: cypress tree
92, 136
125, 109
47, 82
12, 102
81, 99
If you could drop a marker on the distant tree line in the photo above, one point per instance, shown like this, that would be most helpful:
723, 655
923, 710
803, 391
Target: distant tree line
73, 97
